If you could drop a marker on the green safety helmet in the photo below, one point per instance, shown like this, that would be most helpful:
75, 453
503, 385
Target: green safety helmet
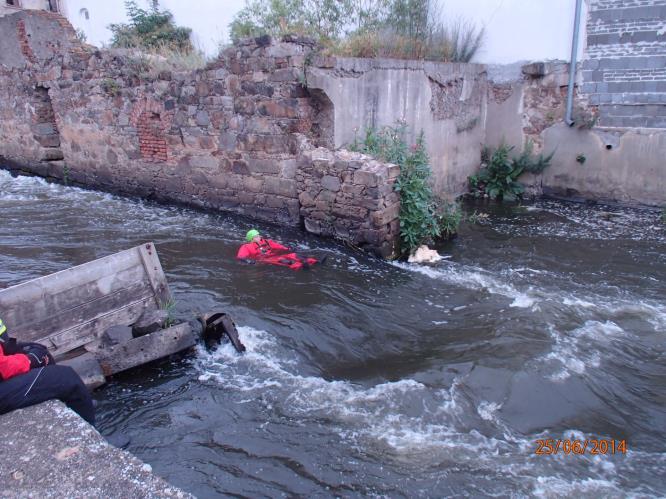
251, 234
3, 328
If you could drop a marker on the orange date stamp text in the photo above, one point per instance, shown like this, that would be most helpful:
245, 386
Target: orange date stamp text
567, 446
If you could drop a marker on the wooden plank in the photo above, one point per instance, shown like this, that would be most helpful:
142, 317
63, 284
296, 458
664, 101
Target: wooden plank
146, 348
72, 308
32, 291
28, 303
88, 368
79, 310
89, 331
155, 273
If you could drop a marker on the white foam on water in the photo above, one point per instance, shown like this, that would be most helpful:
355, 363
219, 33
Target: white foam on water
488, 410
404, 417
576, 351
556, 487
472, 278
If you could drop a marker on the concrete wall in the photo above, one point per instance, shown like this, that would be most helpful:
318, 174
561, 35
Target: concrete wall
619, 108
444, 100
626, 167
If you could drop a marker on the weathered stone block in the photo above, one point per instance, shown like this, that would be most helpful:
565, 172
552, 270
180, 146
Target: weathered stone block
331, 183
281, 187
218, 181
392, 171
48, 140
202, 118
383, 217
44, 129
270, 166
287, 74
244, 105
313, 226
306, 199
288, 168
257, 88
240, 167
51, 154
274, 202
227, 141
286, 108
325, 196
352, 212
365, 178
253, 184
204, 162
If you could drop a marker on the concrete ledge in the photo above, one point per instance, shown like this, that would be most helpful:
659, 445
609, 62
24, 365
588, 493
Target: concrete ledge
49, 451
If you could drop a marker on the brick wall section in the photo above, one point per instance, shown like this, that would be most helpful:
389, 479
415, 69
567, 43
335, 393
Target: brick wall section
625, 70
24, 42
350, 196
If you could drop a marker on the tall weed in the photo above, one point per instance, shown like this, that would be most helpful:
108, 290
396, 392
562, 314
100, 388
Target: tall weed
419, 221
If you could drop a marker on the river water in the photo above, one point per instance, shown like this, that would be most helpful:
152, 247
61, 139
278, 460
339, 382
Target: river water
364, 377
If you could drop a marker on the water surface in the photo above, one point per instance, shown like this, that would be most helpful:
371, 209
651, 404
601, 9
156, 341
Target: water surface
364, 377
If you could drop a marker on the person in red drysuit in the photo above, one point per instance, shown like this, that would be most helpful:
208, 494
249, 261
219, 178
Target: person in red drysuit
268, 251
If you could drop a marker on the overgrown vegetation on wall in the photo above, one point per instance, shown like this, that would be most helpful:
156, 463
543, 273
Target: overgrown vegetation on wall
150, 29
421, 221
498, 176
406, 29
154, 32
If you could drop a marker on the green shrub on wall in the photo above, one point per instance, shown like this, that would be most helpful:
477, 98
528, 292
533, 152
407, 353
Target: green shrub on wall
498, 176
152, 29
404, 29
420, 221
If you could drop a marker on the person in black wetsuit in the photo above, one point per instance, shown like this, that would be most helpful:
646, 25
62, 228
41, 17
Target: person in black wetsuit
29, 376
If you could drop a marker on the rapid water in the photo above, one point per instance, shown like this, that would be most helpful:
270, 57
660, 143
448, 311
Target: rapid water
385, 379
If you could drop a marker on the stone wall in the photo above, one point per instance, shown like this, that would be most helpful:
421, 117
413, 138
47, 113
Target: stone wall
231, 136
625, 69
350, 196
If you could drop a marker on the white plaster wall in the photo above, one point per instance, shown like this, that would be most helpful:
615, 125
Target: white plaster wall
383, 91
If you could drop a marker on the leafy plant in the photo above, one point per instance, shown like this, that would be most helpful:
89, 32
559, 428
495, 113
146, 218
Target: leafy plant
449, 216
477, 217
419, 221
498, 176
81, 35
110, 86
150, 29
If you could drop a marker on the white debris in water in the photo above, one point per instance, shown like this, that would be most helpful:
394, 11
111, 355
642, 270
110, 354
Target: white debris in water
423, 254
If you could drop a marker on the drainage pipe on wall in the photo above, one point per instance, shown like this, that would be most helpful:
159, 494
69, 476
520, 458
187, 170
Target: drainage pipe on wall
572, 65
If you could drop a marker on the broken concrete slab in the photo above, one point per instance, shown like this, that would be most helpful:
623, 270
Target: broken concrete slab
55, 453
